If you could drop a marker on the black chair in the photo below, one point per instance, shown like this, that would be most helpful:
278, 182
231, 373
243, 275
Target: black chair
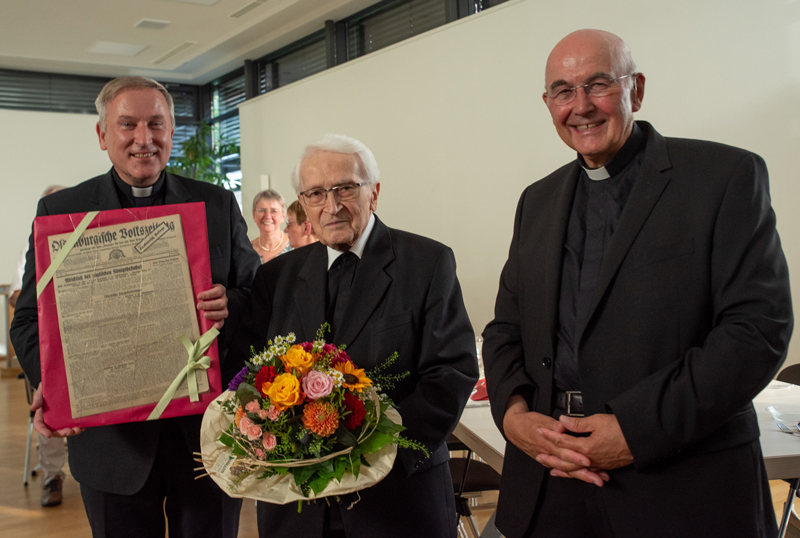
790, 374
469, 476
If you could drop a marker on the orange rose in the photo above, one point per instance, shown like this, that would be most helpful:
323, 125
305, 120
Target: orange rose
299, 359
285, 392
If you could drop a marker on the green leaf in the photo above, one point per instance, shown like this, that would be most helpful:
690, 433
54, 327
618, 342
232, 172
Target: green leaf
340, 468
345, 437
375, 442
319, 484
386, 425
226, 439
302, 474
238, 450
356, 464
247, 393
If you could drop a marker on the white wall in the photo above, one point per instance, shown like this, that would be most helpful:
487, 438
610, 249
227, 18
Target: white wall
38, 149
457, 124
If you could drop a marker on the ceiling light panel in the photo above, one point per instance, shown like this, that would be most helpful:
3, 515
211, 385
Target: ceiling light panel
247, 9
152, 24
117, 49
174, 52
200, 2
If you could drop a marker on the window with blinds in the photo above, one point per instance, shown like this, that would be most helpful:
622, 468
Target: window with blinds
228, 130
49, 92
393, 23
302, 63
294, 62
227, 95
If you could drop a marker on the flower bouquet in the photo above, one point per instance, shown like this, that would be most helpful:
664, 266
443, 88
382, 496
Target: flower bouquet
302, 421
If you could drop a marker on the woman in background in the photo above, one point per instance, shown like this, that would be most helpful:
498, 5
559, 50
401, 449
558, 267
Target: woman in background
298, 228
269, 212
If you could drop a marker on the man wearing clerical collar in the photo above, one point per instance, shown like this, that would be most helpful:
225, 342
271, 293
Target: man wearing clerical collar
132, 475
645, 301
382, 290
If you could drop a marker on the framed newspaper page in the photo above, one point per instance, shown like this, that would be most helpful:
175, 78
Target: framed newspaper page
117, 300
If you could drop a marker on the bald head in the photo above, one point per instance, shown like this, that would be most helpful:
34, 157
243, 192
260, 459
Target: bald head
584, 46
592, 90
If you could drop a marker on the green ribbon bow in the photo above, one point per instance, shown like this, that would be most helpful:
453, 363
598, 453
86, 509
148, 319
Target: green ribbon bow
65, 250
196, 362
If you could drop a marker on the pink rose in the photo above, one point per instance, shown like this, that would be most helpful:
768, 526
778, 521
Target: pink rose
248, 428
269, 441
262, 414
317, 385
273, 413
252, 406
260, 454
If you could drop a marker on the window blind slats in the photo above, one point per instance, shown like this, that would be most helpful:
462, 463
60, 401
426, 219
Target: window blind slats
393, 25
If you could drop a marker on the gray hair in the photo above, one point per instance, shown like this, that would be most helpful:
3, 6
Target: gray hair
51, 189
625, 64
114, 87
337, 143
270, 196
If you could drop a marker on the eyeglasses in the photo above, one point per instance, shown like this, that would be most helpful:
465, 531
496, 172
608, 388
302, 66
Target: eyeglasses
272, 211
597, 88
317, 197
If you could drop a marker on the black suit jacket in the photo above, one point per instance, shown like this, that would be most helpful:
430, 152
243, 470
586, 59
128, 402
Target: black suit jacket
118, 458
406, 298
690, 319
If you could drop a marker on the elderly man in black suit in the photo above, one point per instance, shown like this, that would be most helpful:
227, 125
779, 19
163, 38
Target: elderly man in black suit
383, 290
644, 303
126, 471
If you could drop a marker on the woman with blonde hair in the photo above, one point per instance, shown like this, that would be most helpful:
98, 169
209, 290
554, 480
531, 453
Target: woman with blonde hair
269, 212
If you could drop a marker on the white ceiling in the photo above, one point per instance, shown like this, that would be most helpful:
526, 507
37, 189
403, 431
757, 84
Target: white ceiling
201, 42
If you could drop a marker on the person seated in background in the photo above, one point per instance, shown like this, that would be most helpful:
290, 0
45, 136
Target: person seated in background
298, 228
269, 212
52, 451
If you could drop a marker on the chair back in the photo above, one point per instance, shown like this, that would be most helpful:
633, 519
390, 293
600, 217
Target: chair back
790, 374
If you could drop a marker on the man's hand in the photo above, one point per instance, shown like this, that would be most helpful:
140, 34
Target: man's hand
605, 446
38, 421
214, 304
524, 429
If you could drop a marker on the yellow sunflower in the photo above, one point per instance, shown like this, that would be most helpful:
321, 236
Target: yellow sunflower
354, 378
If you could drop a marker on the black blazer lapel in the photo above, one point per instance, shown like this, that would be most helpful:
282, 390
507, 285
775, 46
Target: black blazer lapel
370, 283
557, 222
309, 298
643, 198
176, 192
104, 195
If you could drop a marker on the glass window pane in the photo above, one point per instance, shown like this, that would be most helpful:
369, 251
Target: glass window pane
396, 23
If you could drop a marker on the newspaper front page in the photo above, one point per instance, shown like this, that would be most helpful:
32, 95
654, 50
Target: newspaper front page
124, 296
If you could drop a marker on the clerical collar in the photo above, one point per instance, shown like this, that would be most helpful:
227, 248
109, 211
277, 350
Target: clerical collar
358, 247
620, 160
139, 192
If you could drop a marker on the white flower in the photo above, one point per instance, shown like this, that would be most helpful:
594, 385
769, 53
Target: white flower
336, 375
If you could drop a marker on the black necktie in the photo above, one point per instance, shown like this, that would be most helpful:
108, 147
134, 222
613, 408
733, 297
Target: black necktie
340, 278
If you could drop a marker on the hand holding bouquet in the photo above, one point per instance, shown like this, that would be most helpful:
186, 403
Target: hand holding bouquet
299, 416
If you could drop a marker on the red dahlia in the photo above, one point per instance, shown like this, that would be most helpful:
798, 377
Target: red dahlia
355, 417
265, 375
337, 355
